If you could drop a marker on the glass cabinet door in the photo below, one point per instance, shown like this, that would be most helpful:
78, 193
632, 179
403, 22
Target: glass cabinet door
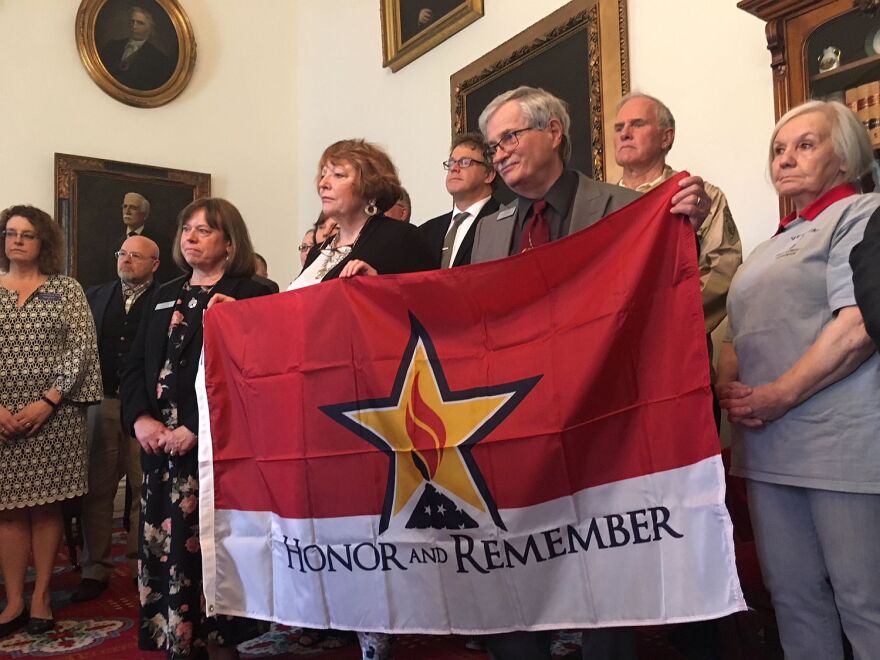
842, 58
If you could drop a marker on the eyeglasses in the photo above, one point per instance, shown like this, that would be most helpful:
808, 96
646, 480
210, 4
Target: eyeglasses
508, 142
463, 163
305, 246
24, 235
136, 256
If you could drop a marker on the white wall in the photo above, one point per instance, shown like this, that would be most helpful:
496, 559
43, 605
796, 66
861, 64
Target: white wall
709, 62
408, 112
278, 80
234, 120
707, 59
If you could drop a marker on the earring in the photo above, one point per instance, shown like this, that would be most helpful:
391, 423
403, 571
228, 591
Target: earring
371, 209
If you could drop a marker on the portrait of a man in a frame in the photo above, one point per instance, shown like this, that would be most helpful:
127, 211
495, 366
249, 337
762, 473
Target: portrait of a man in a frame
137, 43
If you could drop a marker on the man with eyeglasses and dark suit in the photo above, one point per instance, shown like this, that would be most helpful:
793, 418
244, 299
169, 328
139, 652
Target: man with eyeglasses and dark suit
470, 179
117, 308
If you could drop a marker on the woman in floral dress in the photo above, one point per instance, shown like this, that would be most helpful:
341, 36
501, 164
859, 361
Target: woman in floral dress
49, 373
159, 405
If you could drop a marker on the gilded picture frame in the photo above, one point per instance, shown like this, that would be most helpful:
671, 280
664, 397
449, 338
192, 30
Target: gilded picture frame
140, 52
89, 194
580, 53
410, 28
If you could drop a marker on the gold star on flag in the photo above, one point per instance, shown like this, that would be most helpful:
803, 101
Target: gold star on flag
428, 429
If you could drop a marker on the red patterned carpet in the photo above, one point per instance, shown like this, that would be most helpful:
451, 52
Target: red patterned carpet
107, 628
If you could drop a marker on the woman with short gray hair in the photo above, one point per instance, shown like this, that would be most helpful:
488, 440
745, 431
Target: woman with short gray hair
799, 378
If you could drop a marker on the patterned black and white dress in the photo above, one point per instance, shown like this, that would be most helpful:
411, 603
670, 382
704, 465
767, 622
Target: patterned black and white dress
47, 342
173, 616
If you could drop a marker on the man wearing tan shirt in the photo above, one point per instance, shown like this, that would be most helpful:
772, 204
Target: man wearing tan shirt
644, 131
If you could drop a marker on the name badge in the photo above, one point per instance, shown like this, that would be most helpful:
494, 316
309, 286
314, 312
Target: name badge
48, 296
164, 305
506, 213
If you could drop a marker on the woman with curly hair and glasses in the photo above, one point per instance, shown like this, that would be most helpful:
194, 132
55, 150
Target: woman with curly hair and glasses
49, 374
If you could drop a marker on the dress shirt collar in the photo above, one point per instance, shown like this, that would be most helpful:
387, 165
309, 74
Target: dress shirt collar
561, 194
667, 173
559, 198
473, 210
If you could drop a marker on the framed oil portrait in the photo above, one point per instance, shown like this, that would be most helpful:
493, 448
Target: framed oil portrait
578, 53
99, 202
141, 52
410, 28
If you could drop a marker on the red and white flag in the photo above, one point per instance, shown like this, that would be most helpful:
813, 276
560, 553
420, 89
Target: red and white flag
519, 445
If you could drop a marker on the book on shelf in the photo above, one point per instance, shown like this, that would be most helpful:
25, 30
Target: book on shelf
872, 110
852, 99
864, 100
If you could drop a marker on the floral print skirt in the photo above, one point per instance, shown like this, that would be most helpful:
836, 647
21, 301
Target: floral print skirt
173, 615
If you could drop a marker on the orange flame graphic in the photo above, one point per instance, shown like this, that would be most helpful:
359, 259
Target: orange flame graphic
426, 431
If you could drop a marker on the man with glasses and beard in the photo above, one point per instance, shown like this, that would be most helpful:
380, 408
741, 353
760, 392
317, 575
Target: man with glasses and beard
117, 308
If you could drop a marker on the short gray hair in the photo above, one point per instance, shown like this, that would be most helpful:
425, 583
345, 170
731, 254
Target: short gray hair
145, 203
848, 135
665, 120
539, 107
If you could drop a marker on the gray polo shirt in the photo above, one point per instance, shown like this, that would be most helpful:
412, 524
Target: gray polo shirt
780, 300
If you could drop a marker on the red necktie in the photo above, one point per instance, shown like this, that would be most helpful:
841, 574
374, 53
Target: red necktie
537, 229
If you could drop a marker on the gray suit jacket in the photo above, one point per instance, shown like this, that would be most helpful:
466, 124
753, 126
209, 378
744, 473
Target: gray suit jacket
593, 200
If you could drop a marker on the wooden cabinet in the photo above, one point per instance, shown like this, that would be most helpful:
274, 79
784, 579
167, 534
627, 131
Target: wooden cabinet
799, 32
